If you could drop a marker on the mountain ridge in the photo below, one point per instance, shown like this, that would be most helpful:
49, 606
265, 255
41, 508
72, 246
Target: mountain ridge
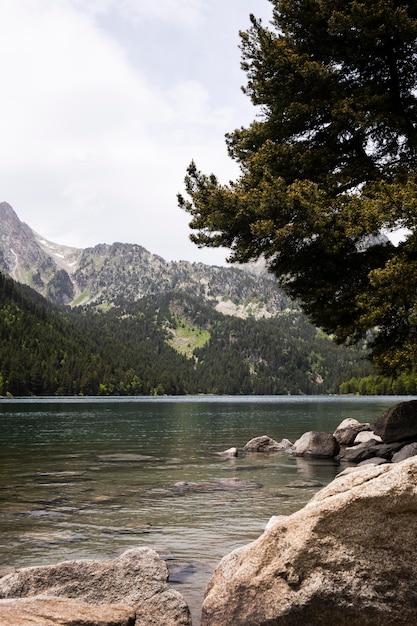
107, 273
153, 327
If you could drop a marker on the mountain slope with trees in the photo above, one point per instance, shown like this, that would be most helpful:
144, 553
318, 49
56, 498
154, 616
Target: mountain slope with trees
127, 350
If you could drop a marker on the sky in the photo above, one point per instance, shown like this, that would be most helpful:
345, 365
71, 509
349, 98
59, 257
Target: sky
104, 103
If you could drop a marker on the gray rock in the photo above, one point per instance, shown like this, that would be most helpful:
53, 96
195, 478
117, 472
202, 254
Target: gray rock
365, 436
305, 484
138, 579
230, 452
41, 611
359, 453
347, 430
266, 444
406, 452
316, 444
386, 450
353, 468
221, 484
370, 450
312, 567
398, 422
376, 460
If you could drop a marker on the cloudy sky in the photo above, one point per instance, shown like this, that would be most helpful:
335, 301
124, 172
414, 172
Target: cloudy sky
103, 105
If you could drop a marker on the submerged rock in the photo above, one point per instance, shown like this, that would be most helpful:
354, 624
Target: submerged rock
127, 458
347, 557
221, 484
230, 452
266, 444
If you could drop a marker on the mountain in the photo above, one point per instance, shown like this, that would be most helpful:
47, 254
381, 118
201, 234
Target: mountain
107, 274
139, 325
162, 344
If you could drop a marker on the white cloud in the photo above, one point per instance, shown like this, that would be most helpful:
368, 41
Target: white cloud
180, 12
95, 146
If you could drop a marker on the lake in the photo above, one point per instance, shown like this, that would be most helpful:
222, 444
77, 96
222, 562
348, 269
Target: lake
90, 478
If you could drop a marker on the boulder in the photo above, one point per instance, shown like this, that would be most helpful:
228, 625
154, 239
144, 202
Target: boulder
266, 444
405, 452
360, 452
398, 423
375, 460
316, 444
347, 557
387, 450
365, 436
138, 578
369, 450
63, 612
347, 430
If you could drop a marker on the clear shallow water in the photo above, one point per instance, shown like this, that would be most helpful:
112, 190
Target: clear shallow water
89, 478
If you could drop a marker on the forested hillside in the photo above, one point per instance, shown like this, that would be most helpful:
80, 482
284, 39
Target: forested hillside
162, 344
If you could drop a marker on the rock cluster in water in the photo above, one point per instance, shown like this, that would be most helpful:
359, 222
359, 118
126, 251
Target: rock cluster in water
393, 438
347, 557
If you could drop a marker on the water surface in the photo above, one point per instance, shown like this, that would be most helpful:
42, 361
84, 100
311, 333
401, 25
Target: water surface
89, 478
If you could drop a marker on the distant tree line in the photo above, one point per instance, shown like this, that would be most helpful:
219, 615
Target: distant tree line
126, 350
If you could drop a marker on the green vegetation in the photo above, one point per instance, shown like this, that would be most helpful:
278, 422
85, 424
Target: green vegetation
327, 168
405, 384
127, 349
185, 337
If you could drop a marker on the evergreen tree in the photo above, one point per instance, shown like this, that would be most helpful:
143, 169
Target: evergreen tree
327, 168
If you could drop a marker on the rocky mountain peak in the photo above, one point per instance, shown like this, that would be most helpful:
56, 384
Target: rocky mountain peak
109, 273
7, 213
19, 250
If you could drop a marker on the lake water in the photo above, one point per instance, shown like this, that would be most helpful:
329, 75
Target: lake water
90, 478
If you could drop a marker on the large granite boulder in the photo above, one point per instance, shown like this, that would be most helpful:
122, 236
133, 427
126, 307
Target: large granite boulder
398, 422
347, 431
266, 444
316, 444
41, 611
137, 579
348, 557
